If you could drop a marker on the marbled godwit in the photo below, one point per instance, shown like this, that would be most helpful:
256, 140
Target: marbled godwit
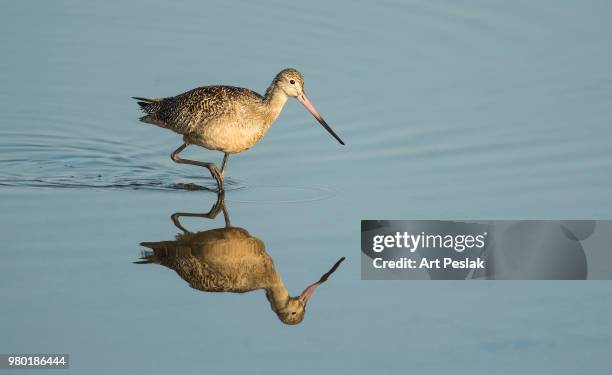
229, 259
225, 118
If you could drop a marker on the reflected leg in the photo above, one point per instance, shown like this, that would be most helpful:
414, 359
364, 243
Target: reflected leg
214, 211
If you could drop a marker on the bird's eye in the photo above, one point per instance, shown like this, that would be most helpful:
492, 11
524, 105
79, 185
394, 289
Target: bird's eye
291, 81
293, 313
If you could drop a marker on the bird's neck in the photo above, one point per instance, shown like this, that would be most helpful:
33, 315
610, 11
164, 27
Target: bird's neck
278, 296
274, 101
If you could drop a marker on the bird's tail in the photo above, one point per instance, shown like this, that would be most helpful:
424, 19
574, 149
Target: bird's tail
147, 257
150, 256
148, 105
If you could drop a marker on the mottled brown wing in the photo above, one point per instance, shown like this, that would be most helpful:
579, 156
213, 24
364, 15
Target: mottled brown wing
193, 109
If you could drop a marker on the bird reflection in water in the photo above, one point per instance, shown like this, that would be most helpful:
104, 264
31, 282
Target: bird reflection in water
229, 259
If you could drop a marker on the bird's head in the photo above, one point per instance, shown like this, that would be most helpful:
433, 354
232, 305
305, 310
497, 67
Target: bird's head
292, 83
293, 312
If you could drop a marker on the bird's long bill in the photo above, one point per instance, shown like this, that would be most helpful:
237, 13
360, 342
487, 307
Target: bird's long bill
308, 291
302, 98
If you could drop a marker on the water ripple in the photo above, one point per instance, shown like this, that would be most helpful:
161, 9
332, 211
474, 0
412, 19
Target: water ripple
70, 162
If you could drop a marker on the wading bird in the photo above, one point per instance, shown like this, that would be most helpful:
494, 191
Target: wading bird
226, 118
229, 259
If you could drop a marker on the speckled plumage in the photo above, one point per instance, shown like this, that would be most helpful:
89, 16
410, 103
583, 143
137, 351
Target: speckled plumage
224, 118
226, 260
218, 260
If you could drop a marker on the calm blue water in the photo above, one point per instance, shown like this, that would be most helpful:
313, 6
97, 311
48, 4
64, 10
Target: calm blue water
477, 110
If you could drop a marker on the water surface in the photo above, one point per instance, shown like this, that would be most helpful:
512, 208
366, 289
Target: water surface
478, 110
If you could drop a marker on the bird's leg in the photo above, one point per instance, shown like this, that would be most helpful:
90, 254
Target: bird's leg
214, 171
225, 157
214, 211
